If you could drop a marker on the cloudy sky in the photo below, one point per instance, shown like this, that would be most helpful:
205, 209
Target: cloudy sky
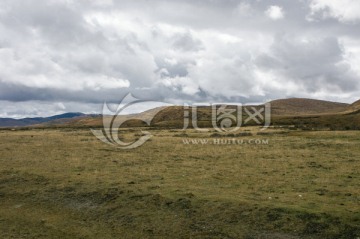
72, 55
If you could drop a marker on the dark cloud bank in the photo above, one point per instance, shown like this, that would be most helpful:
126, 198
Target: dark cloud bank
72, 55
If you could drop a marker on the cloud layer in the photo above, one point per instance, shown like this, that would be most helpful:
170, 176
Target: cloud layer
79, 53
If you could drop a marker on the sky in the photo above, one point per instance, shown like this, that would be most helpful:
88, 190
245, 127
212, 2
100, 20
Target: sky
61, 56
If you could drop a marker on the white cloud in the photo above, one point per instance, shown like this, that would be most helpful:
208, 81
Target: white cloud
90, 51
22, 68
244, 9
352, 53
342, 10
316, 66
184, 84
61, 106
275, 12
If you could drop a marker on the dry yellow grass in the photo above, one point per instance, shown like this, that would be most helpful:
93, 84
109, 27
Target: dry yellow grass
67, 184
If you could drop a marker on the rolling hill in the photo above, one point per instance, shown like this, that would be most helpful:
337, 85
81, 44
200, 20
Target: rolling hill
354, 107
283, 108
356, 104
304, 113
301, 106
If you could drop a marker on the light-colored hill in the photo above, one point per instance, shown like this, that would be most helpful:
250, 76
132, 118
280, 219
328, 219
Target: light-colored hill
355, 106
301, 106
294, 111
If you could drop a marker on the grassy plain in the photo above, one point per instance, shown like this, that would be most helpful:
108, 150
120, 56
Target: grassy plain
64, 183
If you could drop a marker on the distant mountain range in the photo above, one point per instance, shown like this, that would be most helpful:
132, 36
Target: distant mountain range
306, 113
9, 122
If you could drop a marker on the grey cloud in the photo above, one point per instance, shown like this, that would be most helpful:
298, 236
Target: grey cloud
172, 69
317, 64
187, 42
20, 93
194, 50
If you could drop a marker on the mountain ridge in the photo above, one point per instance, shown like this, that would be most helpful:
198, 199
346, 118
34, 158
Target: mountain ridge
283, 111
29, 121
